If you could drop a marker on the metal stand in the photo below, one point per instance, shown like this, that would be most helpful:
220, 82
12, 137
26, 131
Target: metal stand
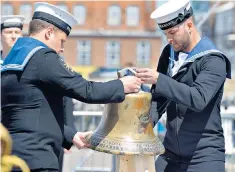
114, 160
135, 163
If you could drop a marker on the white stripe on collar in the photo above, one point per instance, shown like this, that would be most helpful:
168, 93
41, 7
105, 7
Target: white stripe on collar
18, 66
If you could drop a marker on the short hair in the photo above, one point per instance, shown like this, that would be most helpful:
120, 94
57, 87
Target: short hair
37, 25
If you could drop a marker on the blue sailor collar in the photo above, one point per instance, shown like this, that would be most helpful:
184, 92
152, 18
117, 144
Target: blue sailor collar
204, 47
21, 53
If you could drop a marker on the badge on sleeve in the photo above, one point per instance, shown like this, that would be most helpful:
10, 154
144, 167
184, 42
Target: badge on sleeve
66, 67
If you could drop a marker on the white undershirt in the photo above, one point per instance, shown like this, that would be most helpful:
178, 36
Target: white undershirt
181, 58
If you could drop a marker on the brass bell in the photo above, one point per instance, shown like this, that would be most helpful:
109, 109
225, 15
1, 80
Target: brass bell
126, 129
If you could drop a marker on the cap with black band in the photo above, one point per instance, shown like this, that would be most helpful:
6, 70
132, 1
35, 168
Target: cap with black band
54, 15
11, 21
172, 13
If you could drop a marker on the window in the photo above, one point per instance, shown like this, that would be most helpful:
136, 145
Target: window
84, 52
113, 53
62, 6
114, 15
79, 12
132, 16
143, 53
26, 11
7, 9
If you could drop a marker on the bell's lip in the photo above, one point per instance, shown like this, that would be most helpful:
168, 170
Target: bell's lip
101, 143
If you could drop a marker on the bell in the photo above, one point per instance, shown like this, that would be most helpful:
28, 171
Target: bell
126, 129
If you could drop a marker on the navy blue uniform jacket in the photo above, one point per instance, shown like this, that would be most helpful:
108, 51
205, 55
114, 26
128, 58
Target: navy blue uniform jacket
192, 100
32, 106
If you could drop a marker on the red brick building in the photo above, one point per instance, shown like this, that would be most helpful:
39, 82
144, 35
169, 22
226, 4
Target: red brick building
112, 33
109, 33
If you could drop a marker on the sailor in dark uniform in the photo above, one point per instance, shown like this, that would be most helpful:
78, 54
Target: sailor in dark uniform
188, 85
34, 80
11, 30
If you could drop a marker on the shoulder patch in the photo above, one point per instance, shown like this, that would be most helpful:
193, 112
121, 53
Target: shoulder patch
66, 67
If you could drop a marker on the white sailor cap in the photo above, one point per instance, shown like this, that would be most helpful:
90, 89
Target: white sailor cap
54, 15
9, 21
172, 13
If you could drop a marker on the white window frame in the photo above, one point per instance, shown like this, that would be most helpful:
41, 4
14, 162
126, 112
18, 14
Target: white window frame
79, 12
143, 52
132, 16
7, 9
113, 51
27, 13
114, 15
84, 50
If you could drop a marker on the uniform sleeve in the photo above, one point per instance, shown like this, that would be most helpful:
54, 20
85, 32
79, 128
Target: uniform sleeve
54, 71
196, 97
158, 102
69, 128
69, 134
68, 112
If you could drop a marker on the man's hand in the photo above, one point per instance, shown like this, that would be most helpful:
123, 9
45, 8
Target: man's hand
148, 76
131, 84
67, 151
80, 139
